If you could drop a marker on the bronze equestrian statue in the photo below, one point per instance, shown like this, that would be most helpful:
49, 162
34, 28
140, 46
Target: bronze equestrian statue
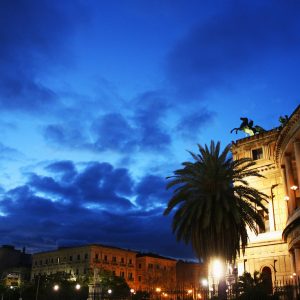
248, 128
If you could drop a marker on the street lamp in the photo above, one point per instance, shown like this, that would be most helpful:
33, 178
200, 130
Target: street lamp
56, 287
77, 286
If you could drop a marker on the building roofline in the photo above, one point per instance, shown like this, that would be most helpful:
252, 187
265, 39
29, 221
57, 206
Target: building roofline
149, 254
84, 246
254, 137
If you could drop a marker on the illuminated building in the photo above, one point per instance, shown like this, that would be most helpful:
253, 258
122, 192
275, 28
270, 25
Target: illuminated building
155, 271
275, 251
83, 260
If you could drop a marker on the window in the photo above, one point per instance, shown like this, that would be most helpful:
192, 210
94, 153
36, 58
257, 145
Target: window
77, 272
114, 273
86, 256
97, 256
78, 256
140, 266
129, 275
130, 261
41, 262
265, 217
157, 267
105, 257
140, 278
122, 274
70, 258
122, 260
114, 259
257, 154
150, 266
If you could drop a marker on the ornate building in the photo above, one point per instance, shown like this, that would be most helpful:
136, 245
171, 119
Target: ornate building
277, 154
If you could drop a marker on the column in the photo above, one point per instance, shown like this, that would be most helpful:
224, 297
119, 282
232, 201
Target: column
292, 258
297, 260
283, 174
297, 156
290, 182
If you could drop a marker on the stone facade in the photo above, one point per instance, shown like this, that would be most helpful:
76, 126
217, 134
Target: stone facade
81, 261
155, 272
275, 251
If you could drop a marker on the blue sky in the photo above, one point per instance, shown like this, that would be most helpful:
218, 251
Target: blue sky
100, 100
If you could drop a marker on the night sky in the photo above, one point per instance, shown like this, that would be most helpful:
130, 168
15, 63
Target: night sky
100, 100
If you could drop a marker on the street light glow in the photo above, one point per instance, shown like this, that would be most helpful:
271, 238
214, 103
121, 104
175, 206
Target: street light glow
77, 286
217, 269
109, 291
56, 287
204, 282
294, 187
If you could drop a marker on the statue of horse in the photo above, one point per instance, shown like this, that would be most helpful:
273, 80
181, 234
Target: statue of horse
247, 127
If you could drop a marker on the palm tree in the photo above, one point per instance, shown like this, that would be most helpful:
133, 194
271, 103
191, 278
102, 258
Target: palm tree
214, 203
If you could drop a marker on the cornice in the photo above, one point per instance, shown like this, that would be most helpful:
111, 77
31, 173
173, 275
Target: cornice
284, 137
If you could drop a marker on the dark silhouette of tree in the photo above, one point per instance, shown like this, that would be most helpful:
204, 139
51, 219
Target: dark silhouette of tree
214, 203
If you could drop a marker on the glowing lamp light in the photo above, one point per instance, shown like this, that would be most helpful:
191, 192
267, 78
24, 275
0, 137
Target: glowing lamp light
77, 286
286, 198
190, 291
131, 291
294, 188
204, 282
158, 290
294, 274
56, 287
199, 296
217, 269
109, 291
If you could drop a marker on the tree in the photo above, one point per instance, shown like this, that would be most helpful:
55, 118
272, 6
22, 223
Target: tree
214, 203
256, 287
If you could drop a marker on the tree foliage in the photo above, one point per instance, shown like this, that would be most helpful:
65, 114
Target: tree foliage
214, 203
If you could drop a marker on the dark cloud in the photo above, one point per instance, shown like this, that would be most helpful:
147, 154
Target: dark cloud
141, 129
113, 132
8, 153
67, 135
241, 40
66, 169
56, 222
33, 37
151, 191
192, 124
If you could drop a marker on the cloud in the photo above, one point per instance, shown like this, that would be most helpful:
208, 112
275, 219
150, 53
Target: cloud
33, 37
8, 153
48, 222
151, 192
237, 42
113, 132
191, 124
139, 127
